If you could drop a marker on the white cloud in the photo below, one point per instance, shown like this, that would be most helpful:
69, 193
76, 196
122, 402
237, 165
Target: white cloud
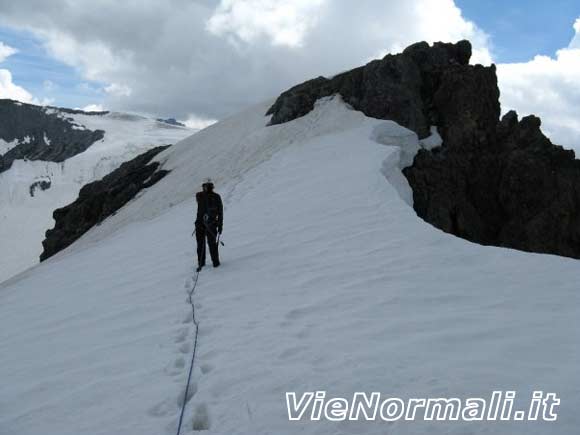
282, 23
9, 89
12, 91
548, 87
6, 51
198, 123
193, 56
441, 20
575, 43
48, 85
93, 58
93, 108
118, 90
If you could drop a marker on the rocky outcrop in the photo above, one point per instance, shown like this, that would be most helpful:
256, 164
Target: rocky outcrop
101, 199
42, 133
43, 184
492, 182
518, 191
420, 87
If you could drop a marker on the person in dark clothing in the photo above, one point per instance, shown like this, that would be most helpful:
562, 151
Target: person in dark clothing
208, 223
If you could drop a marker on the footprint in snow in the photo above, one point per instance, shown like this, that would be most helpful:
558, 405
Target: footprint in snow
200, 418
176, 367
179, 363
291, 352
185, 347
298, 313
161, 409
190, 393
206, 368
182, 335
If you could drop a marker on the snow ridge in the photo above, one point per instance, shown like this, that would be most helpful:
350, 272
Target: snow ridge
329, 281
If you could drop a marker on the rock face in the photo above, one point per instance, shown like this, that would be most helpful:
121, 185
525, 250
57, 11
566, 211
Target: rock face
517, 191
42, 133
420, 87
492, 182
101, 199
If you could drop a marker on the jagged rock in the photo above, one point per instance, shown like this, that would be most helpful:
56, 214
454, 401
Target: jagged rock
39, 133
100, 199
492, 182
402, 87
519, 191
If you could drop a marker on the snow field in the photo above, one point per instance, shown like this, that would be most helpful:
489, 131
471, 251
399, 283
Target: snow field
24, 218
329, 282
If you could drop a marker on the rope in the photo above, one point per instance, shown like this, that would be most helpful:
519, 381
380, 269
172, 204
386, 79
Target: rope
193, 353
195, 322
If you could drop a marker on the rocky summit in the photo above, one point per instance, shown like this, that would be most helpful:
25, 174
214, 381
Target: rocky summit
493, 182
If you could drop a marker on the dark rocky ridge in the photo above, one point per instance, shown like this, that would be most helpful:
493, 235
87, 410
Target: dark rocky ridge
492, 182
21, 120
101, 199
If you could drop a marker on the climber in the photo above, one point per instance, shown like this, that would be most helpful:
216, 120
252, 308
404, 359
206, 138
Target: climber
209, 223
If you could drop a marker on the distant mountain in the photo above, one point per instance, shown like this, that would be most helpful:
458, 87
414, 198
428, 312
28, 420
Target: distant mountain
42, 133
47, 154
171, 121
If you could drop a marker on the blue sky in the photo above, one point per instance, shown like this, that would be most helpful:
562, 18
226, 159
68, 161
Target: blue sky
520, 29
43, 76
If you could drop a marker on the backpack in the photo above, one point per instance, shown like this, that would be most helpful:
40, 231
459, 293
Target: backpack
208, 207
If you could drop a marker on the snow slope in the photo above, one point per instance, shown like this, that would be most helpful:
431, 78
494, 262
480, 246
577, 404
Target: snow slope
25, 218
329, 281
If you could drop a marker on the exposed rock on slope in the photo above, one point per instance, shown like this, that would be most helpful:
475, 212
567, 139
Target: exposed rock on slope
100, 199
41, 133
42, 184
491, 182
420, 87
171, 121
516, 191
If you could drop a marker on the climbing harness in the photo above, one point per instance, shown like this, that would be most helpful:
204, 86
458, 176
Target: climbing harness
212, 233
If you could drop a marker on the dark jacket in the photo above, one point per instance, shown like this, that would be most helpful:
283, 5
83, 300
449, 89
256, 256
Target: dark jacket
210, 204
